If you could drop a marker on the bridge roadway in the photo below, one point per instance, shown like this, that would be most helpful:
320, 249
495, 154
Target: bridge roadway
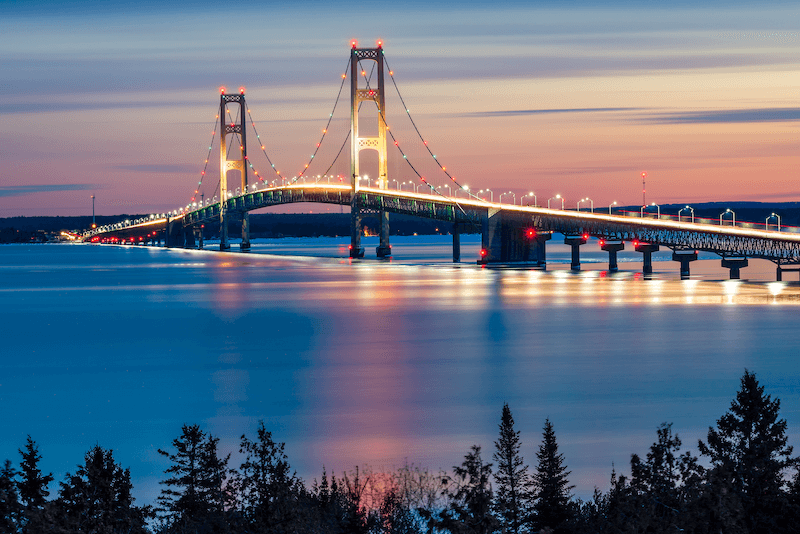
510, 234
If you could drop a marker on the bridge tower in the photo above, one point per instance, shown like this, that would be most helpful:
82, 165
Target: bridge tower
232, 124
359, 143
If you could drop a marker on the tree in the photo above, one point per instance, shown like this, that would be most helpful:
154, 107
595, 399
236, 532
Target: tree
269, 492
33, 490
196, 497
749, 453
10, 507
97, 498
551, 504
513, 497
469, 496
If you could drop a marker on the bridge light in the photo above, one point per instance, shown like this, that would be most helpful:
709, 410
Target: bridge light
354, 43
530, 233
222, 90
241, 92
380, 43
602, 242
483, 252
585, 236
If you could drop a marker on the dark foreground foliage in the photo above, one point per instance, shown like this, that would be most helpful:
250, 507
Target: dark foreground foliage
745, 481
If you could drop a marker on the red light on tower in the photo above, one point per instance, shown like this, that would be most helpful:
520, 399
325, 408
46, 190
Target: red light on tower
241, 90
222, 90
585, 237
354, 43
380, 43
483, 253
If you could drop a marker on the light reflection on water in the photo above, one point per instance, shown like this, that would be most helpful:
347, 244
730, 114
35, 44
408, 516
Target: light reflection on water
375, 362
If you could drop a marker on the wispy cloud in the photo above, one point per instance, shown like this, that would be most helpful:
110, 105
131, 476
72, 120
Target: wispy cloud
20, 190
520, 112
728, 116
170, 168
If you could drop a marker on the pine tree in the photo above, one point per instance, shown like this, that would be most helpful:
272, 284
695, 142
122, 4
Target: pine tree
513, 497
749, 454
33, 490
10, 507
98, 498
551, 504
196, 497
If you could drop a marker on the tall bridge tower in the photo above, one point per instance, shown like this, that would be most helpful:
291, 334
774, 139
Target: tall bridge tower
231, 124
359, 143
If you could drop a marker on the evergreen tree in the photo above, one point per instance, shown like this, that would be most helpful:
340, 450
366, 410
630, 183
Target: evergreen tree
749, 454
196, 497
513, 498
10, 507
33, 490
97, 499
469, 498
551, 506
270, 493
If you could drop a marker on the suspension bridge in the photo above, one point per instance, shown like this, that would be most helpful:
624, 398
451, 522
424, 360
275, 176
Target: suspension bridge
510, 234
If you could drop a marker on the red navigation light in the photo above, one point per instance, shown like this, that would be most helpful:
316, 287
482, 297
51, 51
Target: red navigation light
241, 90
635, 244
585, 236
380, 43
602, 242
354, 43
222, 90
483, 252
644, 174
531, 233
349, 247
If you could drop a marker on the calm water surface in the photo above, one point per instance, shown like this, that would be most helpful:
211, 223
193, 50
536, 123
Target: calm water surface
374, 362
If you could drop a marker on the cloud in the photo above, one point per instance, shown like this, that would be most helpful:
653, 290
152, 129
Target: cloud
729, 116
170, 168
20, 190
519, 112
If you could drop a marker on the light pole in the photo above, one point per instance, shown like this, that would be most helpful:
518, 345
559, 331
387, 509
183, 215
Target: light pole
766, 223
658, 209
463, 188
94, 223
529, 195
686, 208
587, 199
449, 189
733, 217
491, 194
513, 197
609, 206
396, 184
557, 197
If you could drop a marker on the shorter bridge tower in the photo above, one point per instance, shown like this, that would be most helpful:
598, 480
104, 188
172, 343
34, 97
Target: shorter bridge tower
231, 124
358, 143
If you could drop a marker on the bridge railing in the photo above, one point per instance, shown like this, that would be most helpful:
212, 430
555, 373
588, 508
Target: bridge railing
772, 226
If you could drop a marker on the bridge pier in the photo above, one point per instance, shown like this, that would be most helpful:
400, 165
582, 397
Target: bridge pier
245, 244
685, 257
456, 243
356, 250
735, 264
612, 247
647, 250
781, 270
505, 239
575, 241
199, 232
188, 237
384, 249
224, 244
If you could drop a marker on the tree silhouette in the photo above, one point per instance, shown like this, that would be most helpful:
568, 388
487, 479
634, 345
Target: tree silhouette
10, 507
552, 487
513, 496
749, 454
32, 489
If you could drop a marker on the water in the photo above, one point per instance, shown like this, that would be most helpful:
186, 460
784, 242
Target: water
372, 362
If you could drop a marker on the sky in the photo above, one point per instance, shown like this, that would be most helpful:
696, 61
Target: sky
118, 99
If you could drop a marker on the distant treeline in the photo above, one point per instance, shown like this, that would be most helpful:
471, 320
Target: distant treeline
747, 483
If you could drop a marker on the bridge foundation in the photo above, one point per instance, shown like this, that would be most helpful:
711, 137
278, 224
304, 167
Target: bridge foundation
245, 244
575, 241
384, 249
356, 250
505, 239
199, 231
456, 243
224, 244
735, 265
612, 247
647, 250
685, 257
188, 237
781, 270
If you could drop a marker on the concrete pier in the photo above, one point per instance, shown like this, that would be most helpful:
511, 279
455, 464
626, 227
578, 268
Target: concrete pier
509, 239
575, 241
685, 257
647, 250
456, 243
384, 249
735, 264
612, 247
538, 249
245, 244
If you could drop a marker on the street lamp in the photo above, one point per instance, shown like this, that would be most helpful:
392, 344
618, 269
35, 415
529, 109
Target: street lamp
686, 208
529, 195
609, 206
513, 197
658, 208
733, 217
557, 197
396, 184
491, 194
449, 189
463, 188
773, 216
587, 199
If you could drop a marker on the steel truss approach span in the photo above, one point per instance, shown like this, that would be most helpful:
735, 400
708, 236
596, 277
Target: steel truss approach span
473, 215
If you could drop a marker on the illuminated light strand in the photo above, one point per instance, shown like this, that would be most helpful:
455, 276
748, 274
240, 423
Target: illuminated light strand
208, 157
263, 149
324, 130
402, 101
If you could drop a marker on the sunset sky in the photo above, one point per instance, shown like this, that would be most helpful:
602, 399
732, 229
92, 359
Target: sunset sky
118, 98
